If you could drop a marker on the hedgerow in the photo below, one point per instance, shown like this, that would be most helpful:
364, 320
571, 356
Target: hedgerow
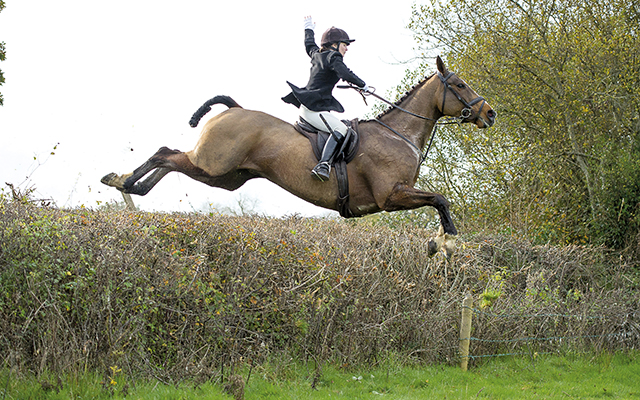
193, 296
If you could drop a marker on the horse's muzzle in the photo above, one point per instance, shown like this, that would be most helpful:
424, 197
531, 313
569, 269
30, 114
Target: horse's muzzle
491, 117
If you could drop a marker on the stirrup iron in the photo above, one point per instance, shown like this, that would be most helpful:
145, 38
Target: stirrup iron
322, 171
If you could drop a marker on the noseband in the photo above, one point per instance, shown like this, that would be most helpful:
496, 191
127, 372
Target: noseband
467, 111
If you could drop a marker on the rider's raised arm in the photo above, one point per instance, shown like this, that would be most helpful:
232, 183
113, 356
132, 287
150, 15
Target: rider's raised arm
309, 36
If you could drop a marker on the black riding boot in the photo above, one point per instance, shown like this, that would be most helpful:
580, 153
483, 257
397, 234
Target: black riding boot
323, 169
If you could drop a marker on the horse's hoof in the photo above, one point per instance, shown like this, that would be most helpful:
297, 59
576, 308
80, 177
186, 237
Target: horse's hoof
435, 244
113, 180
449, 246
432, 248
108, 178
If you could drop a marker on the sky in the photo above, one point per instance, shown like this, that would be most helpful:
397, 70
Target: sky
94, 87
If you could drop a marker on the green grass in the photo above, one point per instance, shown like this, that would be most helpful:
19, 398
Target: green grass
604, 376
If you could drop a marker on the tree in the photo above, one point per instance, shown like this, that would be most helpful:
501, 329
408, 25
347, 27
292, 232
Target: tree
2, 56
564, 75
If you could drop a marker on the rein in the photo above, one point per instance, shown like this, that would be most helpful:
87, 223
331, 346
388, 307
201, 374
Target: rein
464, 114
422, 156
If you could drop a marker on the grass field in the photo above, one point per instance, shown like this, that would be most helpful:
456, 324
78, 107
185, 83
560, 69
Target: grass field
548, 377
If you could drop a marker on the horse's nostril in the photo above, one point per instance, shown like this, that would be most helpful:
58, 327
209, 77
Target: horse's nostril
491, 114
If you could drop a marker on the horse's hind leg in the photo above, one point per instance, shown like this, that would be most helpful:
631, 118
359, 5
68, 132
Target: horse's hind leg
164, 161
142, 188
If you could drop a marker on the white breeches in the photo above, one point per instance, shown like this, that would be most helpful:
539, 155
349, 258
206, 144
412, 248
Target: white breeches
313, 117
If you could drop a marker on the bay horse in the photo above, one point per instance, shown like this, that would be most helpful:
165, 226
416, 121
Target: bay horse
238, 144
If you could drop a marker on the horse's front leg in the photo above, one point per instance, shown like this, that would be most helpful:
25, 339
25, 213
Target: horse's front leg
405, 197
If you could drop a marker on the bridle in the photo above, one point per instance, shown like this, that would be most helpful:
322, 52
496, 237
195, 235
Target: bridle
468, 110
465, 113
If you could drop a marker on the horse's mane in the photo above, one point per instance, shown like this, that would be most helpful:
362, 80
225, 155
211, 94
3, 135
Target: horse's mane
404, 97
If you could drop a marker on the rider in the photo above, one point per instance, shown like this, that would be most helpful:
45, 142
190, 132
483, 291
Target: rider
315, 100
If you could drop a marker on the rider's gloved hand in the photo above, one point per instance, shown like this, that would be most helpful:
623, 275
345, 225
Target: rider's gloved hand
308, 23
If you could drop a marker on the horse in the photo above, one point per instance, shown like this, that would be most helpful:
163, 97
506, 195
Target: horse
239, 144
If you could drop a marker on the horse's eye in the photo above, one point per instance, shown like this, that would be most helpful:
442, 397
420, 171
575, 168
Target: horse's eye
461, 85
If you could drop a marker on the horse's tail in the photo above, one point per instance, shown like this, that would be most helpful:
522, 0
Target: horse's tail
206, 107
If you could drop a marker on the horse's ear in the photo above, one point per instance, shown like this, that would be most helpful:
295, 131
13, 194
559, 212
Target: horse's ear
440, 64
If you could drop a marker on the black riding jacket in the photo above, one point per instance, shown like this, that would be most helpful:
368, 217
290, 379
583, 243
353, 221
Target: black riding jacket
327, 68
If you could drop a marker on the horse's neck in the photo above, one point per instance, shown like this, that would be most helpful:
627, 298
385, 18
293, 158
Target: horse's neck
416, 129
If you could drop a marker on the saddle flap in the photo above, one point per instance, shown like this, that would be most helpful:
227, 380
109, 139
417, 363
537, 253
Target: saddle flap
318, 139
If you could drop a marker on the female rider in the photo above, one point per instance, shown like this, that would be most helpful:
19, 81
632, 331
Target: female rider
316, 100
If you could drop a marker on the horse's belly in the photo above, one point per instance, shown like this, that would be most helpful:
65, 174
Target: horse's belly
365, 209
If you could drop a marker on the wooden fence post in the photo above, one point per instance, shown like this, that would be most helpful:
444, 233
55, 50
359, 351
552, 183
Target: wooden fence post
465, 331
128, 201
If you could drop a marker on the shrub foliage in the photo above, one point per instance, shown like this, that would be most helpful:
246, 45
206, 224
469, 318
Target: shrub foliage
175, 296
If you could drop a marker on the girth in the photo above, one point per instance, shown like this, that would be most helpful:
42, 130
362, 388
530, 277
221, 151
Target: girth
347, 153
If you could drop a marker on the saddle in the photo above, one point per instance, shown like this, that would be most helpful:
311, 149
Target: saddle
347, 152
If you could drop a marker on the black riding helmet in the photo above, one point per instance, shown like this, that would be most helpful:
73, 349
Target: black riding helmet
335, 35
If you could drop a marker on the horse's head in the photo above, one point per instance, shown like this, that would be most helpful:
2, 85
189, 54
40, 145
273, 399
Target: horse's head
459, 100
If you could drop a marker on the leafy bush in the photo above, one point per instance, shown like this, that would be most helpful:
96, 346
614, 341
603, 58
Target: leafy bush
175, 296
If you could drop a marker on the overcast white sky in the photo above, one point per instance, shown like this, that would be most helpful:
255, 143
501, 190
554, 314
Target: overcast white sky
110, 82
